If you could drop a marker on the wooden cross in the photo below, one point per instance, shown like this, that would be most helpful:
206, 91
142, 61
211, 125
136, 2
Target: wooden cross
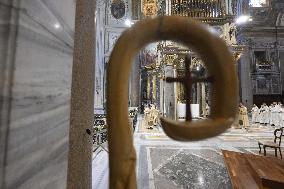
188, 81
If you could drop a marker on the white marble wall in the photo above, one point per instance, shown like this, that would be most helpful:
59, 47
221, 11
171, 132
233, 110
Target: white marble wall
281, 57
100, 61
169, 94
35, 110
108, 29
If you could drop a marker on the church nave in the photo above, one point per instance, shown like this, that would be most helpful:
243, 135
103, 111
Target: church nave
165, 163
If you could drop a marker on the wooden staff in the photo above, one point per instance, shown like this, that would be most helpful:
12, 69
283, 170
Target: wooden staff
219, 63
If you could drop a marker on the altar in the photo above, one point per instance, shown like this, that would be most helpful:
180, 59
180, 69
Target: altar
181, 111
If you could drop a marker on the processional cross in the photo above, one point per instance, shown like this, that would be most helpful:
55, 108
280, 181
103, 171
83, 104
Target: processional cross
188, 80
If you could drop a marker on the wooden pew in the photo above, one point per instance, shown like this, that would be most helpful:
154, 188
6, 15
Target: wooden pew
248, 171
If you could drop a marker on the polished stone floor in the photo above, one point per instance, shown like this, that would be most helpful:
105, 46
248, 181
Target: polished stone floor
164, 164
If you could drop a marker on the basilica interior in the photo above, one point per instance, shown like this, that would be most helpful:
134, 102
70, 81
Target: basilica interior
57, 125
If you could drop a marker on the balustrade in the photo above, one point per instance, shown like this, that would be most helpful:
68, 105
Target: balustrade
204, 10
100, 133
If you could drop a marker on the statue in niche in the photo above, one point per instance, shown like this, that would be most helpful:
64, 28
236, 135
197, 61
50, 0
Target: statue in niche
206, 113
196, 62
197, 67
181, 63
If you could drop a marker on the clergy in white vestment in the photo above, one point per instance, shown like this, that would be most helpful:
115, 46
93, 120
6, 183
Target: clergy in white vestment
266, 118
147, 114
282, 116
279, 114
254, 114
270, 114
261, 109
154, 114
243, 116
274, 114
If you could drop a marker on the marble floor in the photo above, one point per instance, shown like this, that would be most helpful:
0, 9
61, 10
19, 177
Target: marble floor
164, 163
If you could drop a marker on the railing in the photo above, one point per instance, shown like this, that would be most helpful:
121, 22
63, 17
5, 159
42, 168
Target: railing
197, 8
100, 134
266, 84
99, 130
209, 11
100, 137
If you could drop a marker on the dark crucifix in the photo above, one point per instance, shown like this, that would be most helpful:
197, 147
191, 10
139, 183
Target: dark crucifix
188, 80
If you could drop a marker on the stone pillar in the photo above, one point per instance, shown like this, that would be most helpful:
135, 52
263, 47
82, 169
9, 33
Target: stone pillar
245, 79
161, 95
154, 87
203, 99
8, 36
134, 89
198, 94
169, 94
82, 98
35, 79
148, 86
281, 56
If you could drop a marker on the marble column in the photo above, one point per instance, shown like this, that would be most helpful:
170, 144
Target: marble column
245, 79
161, 95
8, 33
169, 94
203, 99
154, 87
198, 94
82, 97
134, 89
36, 48
148, 86
281, 56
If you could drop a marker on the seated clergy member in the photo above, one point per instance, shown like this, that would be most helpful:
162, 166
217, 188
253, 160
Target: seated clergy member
243, 116
254, 114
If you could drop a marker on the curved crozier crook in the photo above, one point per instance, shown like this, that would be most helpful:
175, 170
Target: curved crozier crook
219, 62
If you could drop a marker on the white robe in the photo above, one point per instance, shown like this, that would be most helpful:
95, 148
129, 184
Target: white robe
279, 116
282, 117
254, 114
275, 115
261, 119
270, 115
266, 118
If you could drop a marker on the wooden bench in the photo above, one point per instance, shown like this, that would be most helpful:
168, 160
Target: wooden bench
249, 171
277, 136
